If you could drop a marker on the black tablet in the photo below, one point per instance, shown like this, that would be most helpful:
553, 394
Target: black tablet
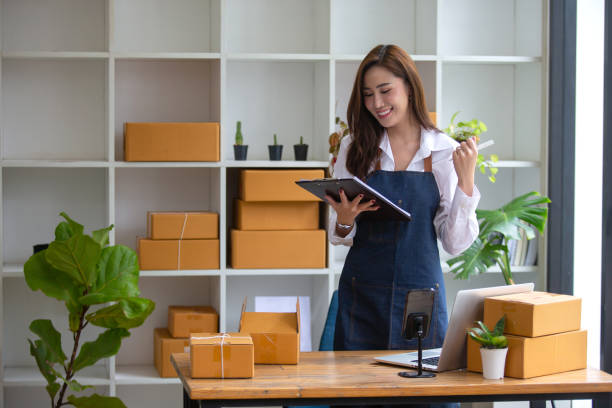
352, 187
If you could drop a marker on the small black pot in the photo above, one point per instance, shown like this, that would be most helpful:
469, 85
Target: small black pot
240, 152
40, 247
276, 152
300, 151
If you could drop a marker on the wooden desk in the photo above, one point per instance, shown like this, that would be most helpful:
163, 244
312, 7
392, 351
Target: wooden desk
352, 377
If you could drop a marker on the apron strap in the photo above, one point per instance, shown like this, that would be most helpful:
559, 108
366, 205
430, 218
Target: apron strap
377, 166
427, 163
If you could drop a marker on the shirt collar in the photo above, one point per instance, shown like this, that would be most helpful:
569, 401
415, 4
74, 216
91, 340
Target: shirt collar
432, 142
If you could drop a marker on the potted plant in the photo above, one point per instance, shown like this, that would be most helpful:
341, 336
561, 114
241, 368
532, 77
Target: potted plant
275, 150
85, 273
300, 150
497, 227
240, 150
493, 348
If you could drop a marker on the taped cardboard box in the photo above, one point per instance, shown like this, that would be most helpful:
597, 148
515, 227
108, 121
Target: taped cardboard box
276, 185
276, 215
184, 320
278, 249
534, 356
163, 254
533, 314
171, 141
276, 336
163, 346
221, 355
182, 225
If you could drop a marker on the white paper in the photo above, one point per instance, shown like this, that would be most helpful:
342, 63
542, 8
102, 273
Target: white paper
286, 304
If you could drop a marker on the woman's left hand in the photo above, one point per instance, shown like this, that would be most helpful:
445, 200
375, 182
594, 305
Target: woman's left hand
464, 160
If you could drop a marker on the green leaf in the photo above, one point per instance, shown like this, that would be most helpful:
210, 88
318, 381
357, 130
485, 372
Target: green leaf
96, 401
74, 320
494, 158
76, 256
127, 313
499, 342
63, 231
117, 276
39, 274
40, 353
499, 326
484, 328
101, 235
106, 345
77, 387
52, 389
476, 259
51, 338
479, 339
72, 228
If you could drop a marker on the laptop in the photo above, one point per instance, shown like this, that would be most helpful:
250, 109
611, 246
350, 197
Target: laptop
468, 308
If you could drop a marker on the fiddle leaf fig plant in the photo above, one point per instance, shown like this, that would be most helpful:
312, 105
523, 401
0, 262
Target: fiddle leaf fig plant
87, 274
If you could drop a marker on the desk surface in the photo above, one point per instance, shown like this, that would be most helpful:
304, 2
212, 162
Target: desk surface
353, 374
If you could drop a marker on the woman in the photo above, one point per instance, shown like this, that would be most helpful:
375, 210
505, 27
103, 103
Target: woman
394, 146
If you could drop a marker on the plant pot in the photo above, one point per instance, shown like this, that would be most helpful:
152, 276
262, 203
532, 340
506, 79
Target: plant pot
300, 151
276, 152
493, 362
240, 152
40, 247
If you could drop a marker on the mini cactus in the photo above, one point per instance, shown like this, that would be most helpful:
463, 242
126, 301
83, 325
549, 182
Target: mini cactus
239, 139
275, 141
301, 140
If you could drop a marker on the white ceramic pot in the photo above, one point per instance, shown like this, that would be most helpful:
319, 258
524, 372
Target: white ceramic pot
493, 362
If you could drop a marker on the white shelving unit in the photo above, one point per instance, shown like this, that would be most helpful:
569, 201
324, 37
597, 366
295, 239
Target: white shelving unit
72, 72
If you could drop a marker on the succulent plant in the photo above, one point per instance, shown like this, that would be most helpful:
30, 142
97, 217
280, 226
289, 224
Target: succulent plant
239, 139
490, 339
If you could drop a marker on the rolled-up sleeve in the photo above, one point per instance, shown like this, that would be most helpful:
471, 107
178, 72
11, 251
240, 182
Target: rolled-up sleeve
340, 171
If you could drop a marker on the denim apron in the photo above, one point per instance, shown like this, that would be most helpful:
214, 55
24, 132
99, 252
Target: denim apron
387, 259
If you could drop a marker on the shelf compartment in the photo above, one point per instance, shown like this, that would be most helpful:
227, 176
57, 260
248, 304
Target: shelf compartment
139, 190
316, 287
509, 184
28, 220
137, 349
162, 26
165, 91
141, 374
64, 25
507, 97
152, 394
290, 99
54, 109
257, 26
345, 78
504, 27
360, 25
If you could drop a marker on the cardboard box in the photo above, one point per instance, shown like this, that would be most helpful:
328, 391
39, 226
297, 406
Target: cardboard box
182, 225
278, 249
534, 356
276, 215
276, 185
276, 336
221, 355
168, 141
533, 314
433, 117
163, 346
184, 320
163, 254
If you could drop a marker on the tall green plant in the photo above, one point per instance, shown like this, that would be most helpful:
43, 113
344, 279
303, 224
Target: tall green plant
85, 273
497, 227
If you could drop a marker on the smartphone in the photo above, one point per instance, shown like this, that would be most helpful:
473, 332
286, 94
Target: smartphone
418, 311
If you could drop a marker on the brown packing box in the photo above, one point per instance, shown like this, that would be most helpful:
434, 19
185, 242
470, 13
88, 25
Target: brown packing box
211, 359
534, 314
276, 215
278, 249
276, 336
182, 225
534, 356
163, 254
163, 346
184, 320
433, 117
276, 185
171, 141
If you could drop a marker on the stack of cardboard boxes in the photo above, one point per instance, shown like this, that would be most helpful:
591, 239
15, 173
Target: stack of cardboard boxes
277, 222
182, 322
180, 240
543, 331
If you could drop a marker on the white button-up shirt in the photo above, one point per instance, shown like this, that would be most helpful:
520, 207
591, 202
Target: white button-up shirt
455, 221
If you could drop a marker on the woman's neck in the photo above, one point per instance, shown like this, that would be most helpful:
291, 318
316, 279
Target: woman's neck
405, 132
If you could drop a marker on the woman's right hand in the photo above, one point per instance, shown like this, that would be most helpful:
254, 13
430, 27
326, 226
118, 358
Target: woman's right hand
347, 210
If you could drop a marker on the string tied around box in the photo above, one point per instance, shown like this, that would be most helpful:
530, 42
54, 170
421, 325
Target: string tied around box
223, 336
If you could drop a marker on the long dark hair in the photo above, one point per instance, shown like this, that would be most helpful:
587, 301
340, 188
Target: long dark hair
363, 126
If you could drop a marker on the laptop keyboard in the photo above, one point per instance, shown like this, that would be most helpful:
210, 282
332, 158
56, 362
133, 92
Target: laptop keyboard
431, 361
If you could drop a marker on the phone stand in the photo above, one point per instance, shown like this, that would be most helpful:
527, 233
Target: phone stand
418, 322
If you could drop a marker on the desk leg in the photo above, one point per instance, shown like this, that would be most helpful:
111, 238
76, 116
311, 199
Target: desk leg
537, 404
188, 402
